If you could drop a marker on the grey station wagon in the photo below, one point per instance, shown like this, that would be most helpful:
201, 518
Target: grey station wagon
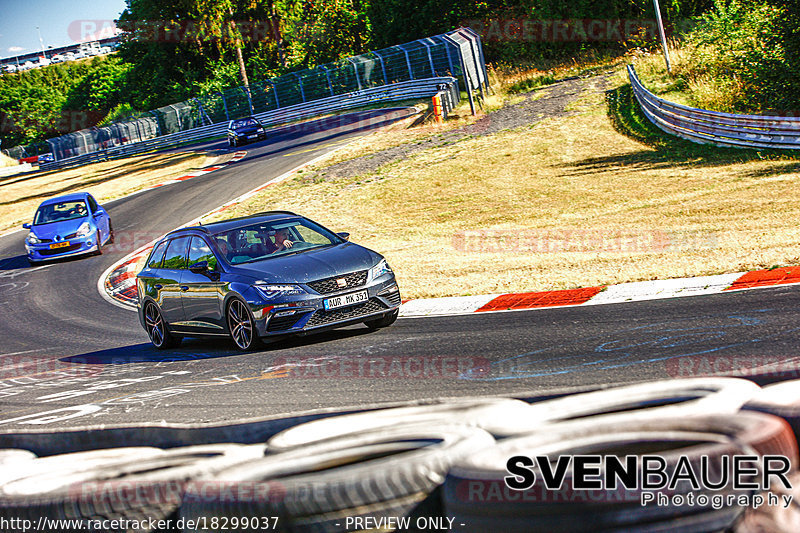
270, 274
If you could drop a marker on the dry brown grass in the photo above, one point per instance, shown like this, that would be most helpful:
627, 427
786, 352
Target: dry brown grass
6, 161
21, 194
592, 207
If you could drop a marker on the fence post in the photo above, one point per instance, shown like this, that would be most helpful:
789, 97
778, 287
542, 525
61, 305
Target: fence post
275, 91
202, 112
300, 84
355, 70
328, 75
158, 124
383, 68
246, 91
224, 105
408, 62
430, 59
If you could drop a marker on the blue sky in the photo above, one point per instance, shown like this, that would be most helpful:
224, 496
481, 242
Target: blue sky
61, 22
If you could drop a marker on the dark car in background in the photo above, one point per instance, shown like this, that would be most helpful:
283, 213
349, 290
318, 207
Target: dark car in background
245, 130
266, 275
68, 225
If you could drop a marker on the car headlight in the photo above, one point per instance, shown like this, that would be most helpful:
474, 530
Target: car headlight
83, 230
260, 130
270, 292
33, 239
381, 268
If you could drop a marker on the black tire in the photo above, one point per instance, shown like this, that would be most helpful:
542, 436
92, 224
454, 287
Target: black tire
478, 412
241, 325
384, 321
473, 479
679, 397
98, 238
110, 233
33, 263
392, 470
157, 329
9, 456
780, 399
126, 486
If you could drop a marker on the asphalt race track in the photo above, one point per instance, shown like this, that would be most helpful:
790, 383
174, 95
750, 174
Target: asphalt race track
68, 358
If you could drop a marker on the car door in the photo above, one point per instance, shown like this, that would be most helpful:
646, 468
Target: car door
170, 274
101, 218
202, 303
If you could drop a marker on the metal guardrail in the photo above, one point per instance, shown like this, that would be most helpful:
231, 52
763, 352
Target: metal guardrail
713, 127
423, 88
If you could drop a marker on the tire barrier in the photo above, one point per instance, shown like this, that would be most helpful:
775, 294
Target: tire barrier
416, 466
780, 399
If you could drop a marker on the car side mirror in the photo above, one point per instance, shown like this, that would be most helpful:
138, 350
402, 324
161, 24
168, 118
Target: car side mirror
201, 267
26, 226
344, 235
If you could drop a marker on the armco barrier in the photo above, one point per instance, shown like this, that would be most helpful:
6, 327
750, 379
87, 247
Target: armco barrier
388, 93
712, 127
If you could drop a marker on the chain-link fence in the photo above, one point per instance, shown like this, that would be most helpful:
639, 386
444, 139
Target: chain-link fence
457, 54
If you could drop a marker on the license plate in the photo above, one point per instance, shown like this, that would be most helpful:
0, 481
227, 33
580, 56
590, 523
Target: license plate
345, 300
59, 245
252, 136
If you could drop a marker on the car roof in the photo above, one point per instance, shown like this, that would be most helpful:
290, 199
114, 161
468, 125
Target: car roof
66, 198
233, 223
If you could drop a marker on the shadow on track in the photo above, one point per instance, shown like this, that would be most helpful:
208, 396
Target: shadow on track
193, 349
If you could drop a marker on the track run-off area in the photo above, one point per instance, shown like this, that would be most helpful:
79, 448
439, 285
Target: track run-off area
69, 358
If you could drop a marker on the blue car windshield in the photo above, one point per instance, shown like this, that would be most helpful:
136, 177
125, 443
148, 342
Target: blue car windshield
272, 239
60, 212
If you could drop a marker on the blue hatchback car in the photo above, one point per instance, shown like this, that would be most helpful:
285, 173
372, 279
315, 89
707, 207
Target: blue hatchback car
68, 225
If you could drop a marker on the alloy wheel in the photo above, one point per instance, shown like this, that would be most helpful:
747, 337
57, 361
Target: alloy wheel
154, 325
241, 325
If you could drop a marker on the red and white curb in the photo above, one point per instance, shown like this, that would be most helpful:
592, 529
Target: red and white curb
624, 292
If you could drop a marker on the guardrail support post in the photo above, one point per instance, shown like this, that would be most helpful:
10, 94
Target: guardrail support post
224, 106
158, 124
355, 70
430, 58
408, 62
383, 68
275, 92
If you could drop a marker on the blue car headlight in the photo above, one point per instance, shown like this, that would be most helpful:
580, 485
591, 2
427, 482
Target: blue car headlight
83, 230
270, 292
33, 239
381, 268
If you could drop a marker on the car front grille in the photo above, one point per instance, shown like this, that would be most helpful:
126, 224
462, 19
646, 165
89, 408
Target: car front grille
328, 285
321, 317
393, 298
279, 323
70, 248
45, 241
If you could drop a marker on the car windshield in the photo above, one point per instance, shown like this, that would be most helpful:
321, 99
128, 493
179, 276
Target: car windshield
245, 123
257, 242
49, 213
